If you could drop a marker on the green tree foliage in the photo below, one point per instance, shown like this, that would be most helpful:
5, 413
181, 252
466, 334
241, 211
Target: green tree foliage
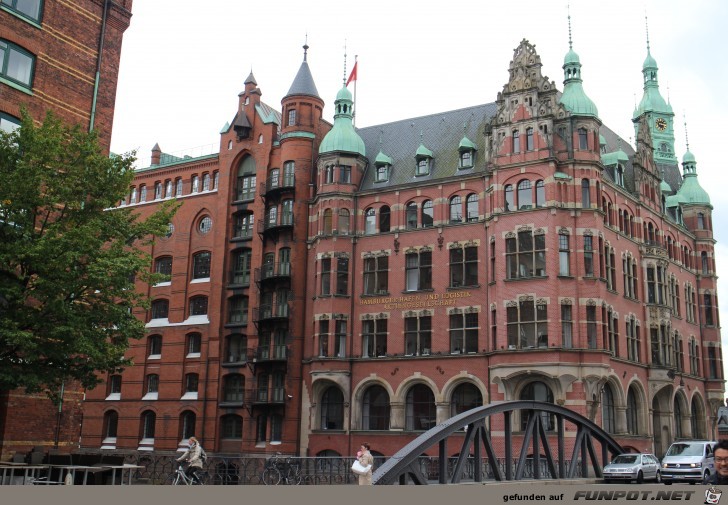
68, 258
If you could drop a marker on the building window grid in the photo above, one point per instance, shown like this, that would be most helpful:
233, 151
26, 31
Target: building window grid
527, 325
464, 331
374, 338
417, 335
588, 256
16, 64
633, 341
526, 256
463, 266
564, 252
567, 327
376, 275
418, 271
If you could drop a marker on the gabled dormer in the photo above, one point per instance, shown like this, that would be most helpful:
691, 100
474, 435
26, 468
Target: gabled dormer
423, 160
466, 153
383, 167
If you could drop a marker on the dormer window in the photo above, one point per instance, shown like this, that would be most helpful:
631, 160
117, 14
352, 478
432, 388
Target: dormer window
466, 159
382, 174
619, 175
423, 166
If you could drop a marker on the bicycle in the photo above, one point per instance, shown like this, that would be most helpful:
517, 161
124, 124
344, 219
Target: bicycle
277, 470
180, 478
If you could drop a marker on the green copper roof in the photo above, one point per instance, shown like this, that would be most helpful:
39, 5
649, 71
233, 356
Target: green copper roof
602, 140
342, 137
651, 98
466, 144
649, 62
691, 192
665, 187
382, 159
422, 151
574, 97
571, 57
225, 128
614, 157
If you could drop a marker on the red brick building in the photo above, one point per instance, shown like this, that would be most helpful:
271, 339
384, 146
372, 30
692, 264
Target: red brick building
60, 56
331, 285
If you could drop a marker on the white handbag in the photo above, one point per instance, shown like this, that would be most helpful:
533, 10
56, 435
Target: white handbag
360, 469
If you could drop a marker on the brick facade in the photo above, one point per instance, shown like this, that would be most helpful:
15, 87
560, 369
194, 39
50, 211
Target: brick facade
63, 39
351, 296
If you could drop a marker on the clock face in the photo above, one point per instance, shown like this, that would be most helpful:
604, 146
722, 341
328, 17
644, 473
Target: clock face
661, 124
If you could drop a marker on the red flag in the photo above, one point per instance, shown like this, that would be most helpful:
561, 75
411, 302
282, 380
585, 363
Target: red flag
352, 75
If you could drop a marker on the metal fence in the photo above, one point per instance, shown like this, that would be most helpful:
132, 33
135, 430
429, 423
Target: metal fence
158, 468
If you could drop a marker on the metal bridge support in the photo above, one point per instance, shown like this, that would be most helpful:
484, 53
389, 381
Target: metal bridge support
538, 436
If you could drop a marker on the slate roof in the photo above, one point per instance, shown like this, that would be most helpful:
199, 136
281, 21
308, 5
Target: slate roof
303, 82
441, 133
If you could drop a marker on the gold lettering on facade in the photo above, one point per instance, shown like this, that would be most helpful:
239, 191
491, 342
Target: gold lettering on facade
417, 301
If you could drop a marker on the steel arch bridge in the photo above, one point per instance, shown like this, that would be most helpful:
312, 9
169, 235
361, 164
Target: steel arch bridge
405, 464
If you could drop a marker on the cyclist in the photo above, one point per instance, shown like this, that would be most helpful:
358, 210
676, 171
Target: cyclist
193, 459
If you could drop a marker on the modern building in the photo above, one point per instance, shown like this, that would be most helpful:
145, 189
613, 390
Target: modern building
332, 285
60, 56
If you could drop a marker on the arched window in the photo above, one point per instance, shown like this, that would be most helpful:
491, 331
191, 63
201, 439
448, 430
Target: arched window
540, 194
342, 225
701, 221
456, 210
428, 214
525, 199
160, 309
583, 144
632, 413
206, 182
328, 221
370, 221
148, 424
187, 421
155, 345
411, 216
198, 306
240, 273
608, 413
465, 397
540, 392
231, 427
471, 208
111, 425
384, 219
509, 203
375, 409
332, 409
420, 408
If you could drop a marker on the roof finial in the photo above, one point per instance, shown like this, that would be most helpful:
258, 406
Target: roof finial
647, 31
668, 92
568, 11
685, 124
344, 79
305, 48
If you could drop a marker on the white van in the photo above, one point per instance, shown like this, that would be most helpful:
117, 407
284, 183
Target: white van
688, 461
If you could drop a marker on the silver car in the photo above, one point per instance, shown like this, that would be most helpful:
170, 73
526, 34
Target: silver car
629, 467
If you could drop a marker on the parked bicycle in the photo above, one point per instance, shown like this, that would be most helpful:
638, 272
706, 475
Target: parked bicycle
279, 470
180, 478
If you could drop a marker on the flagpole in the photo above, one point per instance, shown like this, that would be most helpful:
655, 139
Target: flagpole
356, 57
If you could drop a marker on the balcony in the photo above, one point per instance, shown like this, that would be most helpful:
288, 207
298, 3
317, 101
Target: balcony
269, 228
271, 312
273, 272
271, 353
266, 396
277, 185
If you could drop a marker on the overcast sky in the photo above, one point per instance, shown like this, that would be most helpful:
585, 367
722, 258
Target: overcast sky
183, 64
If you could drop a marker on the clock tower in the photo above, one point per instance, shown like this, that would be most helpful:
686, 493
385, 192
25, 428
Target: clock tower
660, 116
